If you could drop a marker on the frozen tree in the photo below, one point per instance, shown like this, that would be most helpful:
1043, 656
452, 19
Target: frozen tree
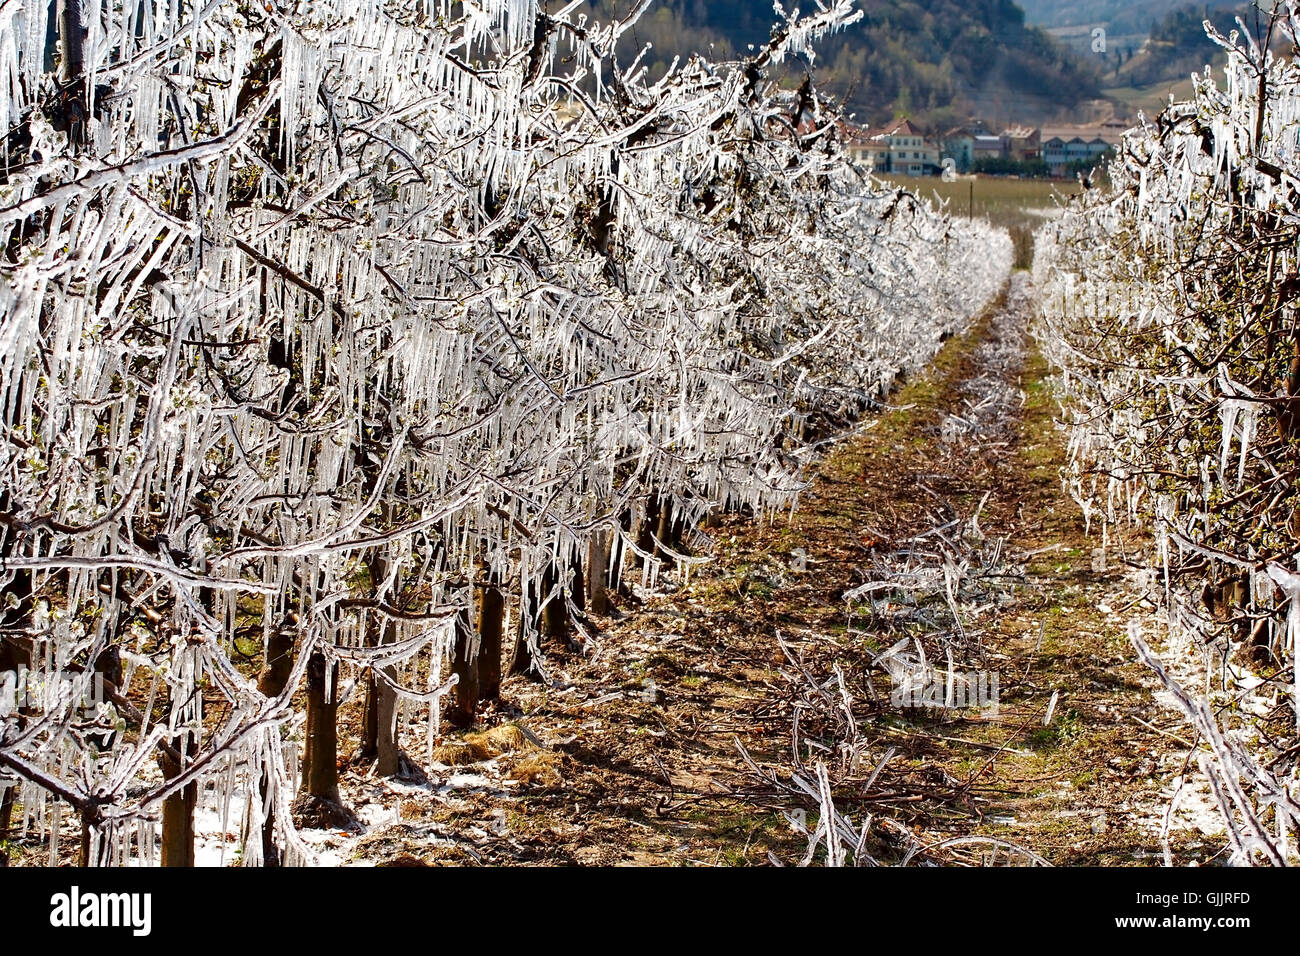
345, 341
1170, 305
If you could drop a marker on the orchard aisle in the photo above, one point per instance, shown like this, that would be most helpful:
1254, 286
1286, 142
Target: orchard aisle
944, 525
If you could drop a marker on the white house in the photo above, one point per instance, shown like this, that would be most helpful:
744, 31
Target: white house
908, 152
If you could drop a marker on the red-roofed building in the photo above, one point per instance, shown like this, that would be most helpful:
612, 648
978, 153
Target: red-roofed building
900, 148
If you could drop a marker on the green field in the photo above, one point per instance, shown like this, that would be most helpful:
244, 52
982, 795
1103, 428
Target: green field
1002, 201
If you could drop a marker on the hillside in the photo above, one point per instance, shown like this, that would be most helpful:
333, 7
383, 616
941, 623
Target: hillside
1117, 16
1178, 45
938, 61
1155, 44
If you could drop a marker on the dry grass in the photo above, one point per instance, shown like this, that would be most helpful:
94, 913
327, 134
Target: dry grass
505, 738
1002, 201
539, 768
460, 753
481, 745
1018, 205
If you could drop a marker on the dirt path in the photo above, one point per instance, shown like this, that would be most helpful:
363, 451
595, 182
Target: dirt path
944, 522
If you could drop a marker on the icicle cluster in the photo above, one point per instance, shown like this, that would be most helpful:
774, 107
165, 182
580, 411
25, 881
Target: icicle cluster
314, 316
1170, 307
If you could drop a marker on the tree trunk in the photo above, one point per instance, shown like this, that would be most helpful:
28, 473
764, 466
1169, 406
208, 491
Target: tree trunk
578, 586
649, 525
320, 756
15, 649
555, 614
378, 736
276, 668
598, 574
105, 686
379, 722
7, 801
70, 111
664, 532
465, 666
90, 819
670, 532
369, 748
71, 42
178, 810
618, 558
16, 656
83, 853
521, 661
277, 665
379, 730
270, 849
377, 568
388, 753
491, 626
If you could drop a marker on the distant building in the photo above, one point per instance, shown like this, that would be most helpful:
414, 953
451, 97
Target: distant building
1022, 144
863, 148
959, 145
900, 148
1065, 146
987, 146
1113, 130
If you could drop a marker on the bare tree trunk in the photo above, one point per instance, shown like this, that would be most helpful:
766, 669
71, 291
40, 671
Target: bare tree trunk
555, 615
465, 666
7, 801
521, 661
664, 532
598, 574
379, 732
270, 849
72, 60
618, 554
578, 585
15, 650
15, 655
679, 532
379, 722
178, 810
276, 668
369, 747
645, 541
84, 850
370, 720
320, 756
92, 818
491, 627
71, 110
670, 531
388, 759
106, 686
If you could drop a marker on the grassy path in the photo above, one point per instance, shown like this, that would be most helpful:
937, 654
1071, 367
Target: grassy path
631, 754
